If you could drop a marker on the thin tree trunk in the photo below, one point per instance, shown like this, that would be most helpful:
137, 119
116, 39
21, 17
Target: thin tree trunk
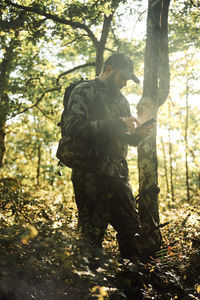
2, 143
170, 156
38, 165
102, 42
186, 142
165, 167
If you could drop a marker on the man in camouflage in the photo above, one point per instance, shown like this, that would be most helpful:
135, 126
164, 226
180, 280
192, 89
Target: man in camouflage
100, 126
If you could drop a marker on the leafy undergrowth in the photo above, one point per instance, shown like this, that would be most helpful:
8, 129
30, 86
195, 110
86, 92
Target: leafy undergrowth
42, 254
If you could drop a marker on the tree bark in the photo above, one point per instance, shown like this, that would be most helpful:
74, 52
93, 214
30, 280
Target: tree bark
186, 141
5, 70
155, 91
165, 167
170, 156
2, 143
102, 42
38, 165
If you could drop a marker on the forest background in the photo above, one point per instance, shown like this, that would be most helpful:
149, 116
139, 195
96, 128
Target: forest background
39, 56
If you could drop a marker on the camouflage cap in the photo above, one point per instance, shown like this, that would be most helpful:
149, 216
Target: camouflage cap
124, 64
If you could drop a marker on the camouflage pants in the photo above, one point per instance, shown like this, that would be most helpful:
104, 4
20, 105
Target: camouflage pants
101, 200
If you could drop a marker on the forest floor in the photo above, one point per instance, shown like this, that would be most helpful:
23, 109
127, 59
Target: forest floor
43, 257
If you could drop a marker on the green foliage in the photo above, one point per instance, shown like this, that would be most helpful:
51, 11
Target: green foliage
184, 25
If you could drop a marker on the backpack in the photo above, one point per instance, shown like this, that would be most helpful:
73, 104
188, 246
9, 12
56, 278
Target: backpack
67, 154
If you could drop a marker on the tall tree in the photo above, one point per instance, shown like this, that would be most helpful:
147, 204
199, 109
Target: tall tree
72, 24
19, 33
155, 92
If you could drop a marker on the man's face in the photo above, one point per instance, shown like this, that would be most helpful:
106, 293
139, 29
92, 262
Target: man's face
116, 81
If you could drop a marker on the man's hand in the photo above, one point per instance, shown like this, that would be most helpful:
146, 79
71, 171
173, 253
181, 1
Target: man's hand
131, 123
138, 134
145, 131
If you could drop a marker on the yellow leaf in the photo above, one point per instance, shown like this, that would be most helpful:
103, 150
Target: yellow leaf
145, 286
99, 292
197, 288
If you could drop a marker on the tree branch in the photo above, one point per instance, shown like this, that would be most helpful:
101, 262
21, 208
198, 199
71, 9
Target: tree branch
74, 69
29, 81
37, 102
111, 50
138, 19
57, 88
116, 40
102, 42
75, 39
105, 30
44, 114
37, 10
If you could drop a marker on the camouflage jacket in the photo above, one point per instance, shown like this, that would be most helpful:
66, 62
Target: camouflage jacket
93, 126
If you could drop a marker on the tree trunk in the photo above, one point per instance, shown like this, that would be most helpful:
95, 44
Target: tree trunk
165, 167
170, 156
99, 60
3, 115
101, 44
5, 70
186, 141
38, 165
155, 92
2, 143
